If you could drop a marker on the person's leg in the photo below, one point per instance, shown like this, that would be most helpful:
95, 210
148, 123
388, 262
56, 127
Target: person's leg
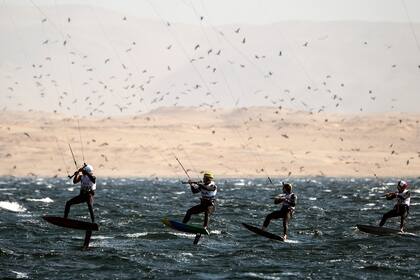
387, 215
90, 206
404, 215
286, 220
209, 211
75, 200
272, 216
193, 210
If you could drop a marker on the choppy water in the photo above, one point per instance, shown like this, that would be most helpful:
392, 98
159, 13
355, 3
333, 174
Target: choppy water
134, 244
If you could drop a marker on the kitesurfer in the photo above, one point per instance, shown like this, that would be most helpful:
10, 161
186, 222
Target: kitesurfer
208, 190
87, 190
401, 208
288, 198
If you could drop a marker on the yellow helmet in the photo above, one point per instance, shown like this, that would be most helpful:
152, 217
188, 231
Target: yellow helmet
208, 175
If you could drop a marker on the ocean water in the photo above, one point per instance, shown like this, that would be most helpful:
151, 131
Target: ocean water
133, 243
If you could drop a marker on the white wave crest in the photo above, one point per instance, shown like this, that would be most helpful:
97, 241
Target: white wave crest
12, 206
102, 237
261, 276
137, 234
292, 241
45, 200
20, 275
183, 234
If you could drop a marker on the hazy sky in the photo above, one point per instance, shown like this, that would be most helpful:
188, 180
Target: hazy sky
255, 11
121, 55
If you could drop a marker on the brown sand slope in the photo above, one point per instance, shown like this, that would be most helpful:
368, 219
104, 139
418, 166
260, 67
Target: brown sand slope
244, 142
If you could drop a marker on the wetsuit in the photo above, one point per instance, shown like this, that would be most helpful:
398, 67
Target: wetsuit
87, 191
207, 203
401, 209
286, 211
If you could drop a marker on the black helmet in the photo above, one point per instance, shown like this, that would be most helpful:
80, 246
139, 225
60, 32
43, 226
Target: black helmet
288, 187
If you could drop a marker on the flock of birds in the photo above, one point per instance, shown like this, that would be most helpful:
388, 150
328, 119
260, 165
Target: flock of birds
131, 89
134, 92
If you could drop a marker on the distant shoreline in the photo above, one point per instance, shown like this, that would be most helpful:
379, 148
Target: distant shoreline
254, 142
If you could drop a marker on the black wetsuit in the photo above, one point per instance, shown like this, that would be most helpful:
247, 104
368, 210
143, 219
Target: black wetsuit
401, 209
207, 202
84, 196
286, 212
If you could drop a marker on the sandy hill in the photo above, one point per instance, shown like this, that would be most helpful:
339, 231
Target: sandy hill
256, 141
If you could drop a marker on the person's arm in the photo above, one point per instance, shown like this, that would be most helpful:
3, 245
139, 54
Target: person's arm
391, 195
278, 199
194, 187
77, 177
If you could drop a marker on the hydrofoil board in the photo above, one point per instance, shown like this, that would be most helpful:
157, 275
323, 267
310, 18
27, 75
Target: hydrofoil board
263, 232
184, 227
70, 223
382, 230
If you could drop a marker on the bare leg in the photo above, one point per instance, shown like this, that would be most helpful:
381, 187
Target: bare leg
206, 219
404, 215
286, 220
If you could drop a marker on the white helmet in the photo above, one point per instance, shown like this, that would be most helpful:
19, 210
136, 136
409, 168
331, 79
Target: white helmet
88, 168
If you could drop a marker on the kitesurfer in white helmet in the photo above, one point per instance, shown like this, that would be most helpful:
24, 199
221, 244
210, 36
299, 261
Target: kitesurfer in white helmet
401, 208
87, 190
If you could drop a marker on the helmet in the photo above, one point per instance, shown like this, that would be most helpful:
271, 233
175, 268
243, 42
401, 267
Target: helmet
288, 187
208, 175
88, 168
402, 185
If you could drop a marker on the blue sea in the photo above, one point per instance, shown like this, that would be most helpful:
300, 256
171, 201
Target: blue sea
134, 244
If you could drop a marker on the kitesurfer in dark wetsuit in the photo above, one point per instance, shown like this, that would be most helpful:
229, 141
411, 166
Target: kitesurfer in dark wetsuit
87, 190
286, 212
208, 191
401, 209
